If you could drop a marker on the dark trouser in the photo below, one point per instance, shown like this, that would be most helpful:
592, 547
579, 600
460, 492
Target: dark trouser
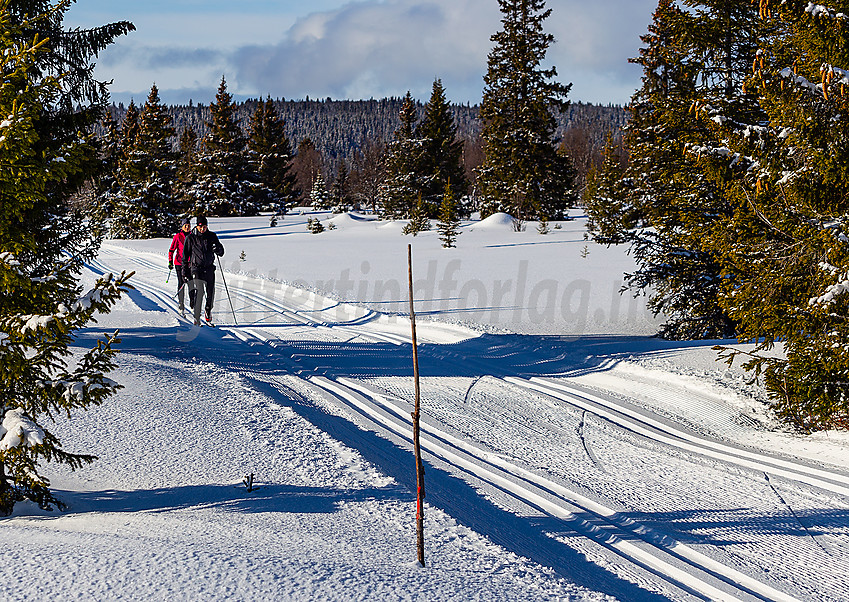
181, 288
202, 280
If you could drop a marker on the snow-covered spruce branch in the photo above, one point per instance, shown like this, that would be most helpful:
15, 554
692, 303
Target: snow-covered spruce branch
87, 383
100, 298
821, 10
745, 130
800, 80
755, 362
839, 288
11, 263
18, 430
830, 76
750, 164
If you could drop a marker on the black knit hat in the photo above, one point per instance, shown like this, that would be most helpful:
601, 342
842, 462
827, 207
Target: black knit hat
202, 220
186, 222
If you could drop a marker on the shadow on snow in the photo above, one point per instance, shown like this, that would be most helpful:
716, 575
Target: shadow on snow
542, 539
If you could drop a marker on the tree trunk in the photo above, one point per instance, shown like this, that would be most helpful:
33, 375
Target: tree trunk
7, 494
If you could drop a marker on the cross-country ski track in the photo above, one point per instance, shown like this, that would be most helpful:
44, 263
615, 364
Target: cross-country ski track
667, 511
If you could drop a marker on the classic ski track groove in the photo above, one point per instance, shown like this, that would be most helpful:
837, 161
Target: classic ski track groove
537, 491
664, 433
549, 497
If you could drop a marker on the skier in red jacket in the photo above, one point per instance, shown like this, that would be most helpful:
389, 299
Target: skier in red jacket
175, 258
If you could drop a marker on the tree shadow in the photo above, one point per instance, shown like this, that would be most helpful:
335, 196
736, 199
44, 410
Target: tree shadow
232, 498
542, 539
489, 354
696, 526
528, 537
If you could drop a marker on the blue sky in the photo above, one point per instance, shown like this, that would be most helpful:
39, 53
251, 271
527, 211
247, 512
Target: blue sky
344, 49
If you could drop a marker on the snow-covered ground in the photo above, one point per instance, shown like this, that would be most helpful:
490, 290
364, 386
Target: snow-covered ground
569, 455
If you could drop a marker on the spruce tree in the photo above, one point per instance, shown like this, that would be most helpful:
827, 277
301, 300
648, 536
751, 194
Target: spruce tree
80, 102
677, 193
145, 204
718, 40
442, 151
340, 190
186, 175
449, 222
319, 196
523, 174
223, 183
271, 154
785, 249
419, 221
105, 184
42, 251
129, 130
403, 180
606, 197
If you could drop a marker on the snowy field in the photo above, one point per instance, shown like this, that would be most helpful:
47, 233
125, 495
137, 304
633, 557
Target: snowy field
569, 455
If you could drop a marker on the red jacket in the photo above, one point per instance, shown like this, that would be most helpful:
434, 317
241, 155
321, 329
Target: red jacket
177, 245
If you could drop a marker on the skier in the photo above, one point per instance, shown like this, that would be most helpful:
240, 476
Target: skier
199, 253
175, 258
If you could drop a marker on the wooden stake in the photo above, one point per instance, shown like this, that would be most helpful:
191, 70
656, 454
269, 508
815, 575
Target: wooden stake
420, 490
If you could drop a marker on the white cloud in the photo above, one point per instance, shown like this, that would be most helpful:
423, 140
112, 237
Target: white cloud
378, 48
389, 47
385, 48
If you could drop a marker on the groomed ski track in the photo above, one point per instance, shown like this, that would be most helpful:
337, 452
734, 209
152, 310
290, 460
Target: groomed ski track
352, 362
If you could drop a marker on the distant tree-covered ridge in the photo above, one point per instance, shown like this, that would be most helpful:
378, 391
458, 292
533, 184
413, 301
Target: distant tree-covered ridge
340, 128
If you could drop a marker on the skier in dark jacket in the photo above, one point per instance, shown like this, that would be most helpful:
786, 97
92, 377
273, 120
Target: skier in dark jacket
199, 253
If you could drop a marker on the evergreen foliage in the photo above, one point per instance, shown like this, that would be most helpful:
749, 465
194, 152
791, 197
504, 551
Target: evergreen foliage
186, 160
271, 154
105, 184
314, 225
143, 205
442, 152
404, 179
448, 225
606, 197
349, 131
419, 221
523, 174
319, 196
785, 248
43, 247
671, 197
339, 192
342, 128
734, 201
223, 182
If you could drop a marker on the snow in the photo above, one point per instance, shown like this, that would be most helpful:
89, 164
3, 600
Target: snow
817, 10
35, 323
17, 430
569, 455
496, 220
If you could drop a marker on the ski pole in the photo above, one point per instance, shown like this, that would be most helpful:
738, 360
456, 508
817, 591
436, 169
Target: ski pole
227, 290
179, 290
169, 275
